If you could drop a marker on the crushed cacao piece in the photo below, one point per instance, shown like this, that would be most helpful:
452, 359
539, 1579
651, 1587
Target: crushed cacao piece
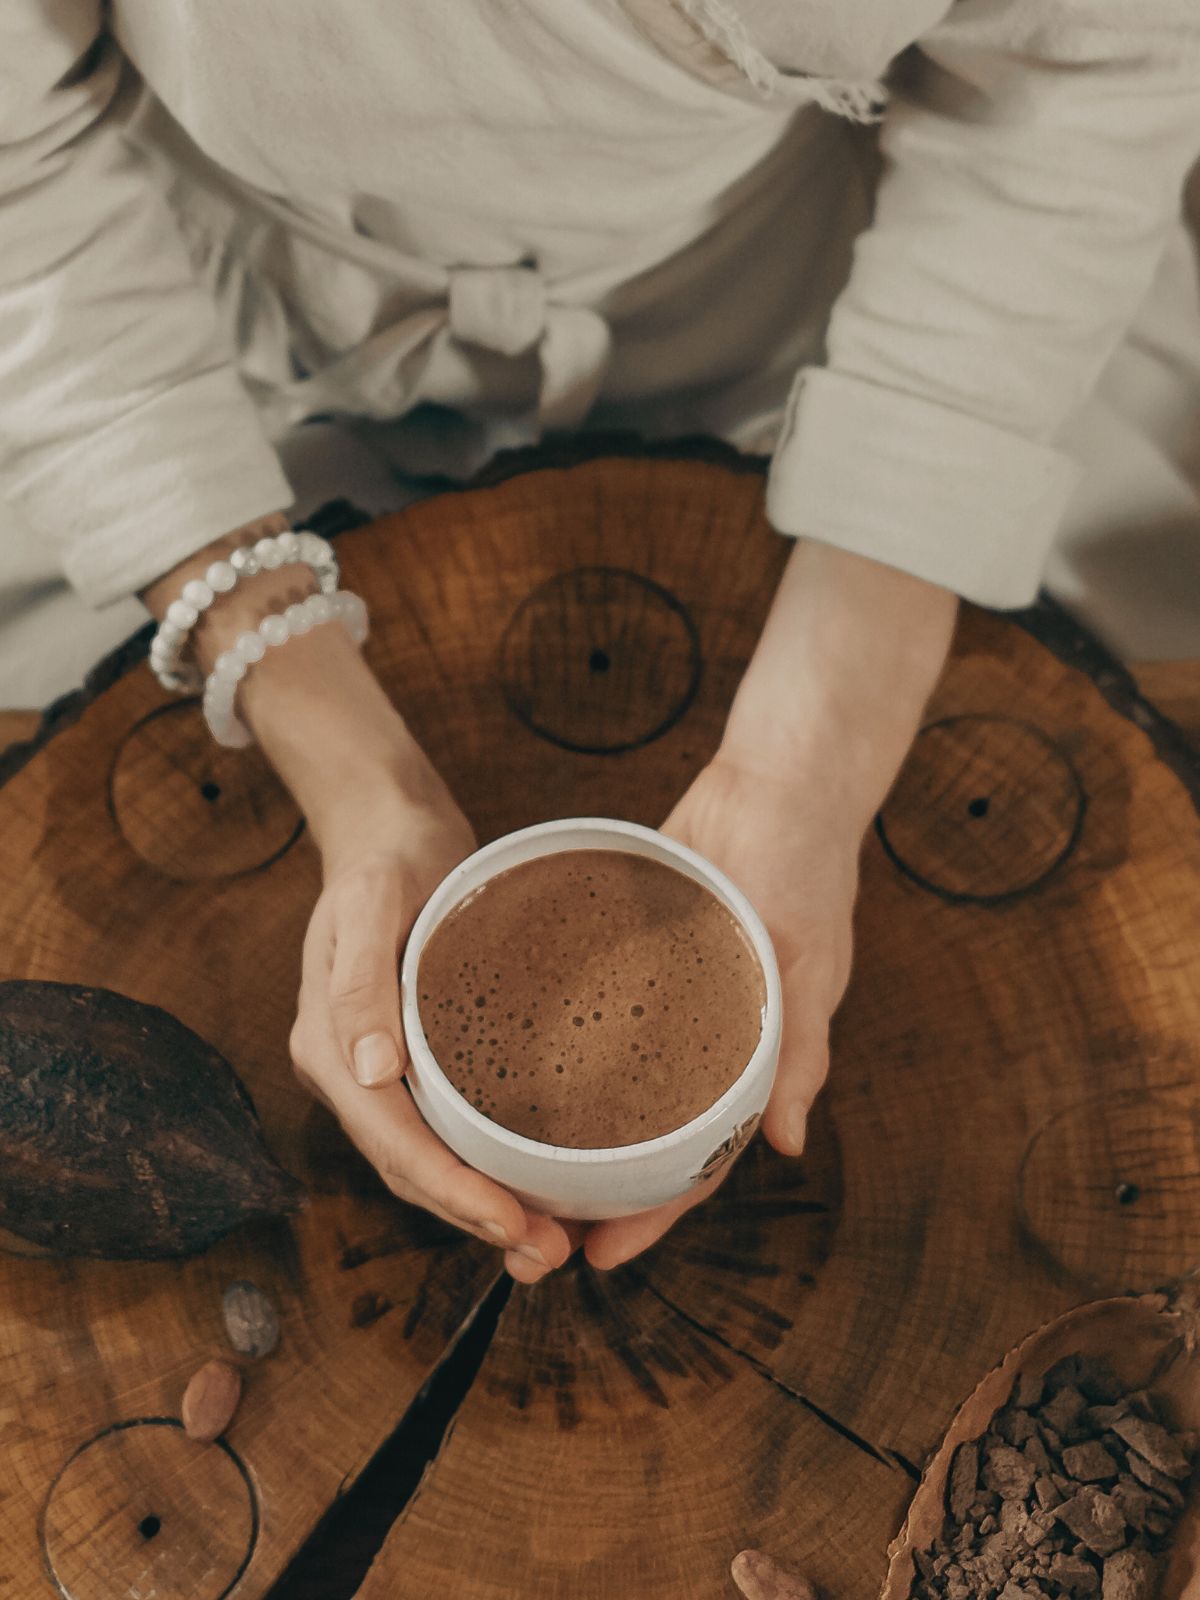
1009, 1473
1154, 1444
1064, 1410
1095, 1519
1089, 1462
1129, 1575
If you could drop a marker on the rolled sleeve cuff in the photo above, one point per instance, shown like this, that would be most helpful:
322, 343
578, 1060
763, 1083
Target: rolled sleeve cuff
133, 499
918, 486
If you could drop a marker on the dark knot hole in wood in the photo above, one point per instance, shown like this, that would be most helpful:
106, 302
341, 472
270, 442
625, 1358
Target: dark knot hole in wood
99, 1537
600, 660
962, 769
1115, 1149
163, 788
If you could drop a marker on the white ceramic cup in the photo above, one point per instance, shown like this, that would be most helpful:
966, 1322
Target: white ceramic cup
622, 1180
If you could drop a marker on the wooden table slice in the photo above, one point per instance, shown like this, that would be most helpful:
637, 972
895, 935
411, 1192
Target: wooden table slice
1016, 1051
369, 1295
1016, 1076
609, 1449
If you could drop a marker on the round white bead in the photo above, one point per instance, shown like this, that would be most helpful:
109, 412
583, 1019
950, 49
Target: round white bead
274, 630
250, 647
221, 577
269, 554
313, 547
197, 593
320, 608
183, 615
169, 634
229, 667
244, 562
297, 619
288, 545
329, 578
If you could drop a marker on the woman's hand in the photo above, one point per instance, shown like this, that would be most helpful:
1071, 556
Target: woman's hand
795, 855
388, 831
348, 1044
823, 719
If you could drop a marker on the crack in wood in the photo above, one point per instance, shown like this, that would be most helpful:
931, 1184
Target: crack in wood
889, 1458
332, 1562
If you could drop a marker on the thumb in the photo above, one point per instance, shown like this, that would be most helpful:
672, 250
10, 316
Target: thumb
803, 1065
364, 985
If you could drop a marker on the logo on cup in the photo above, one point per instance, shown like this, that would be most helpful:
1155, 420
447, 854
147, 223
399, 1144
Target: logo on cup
728, 1149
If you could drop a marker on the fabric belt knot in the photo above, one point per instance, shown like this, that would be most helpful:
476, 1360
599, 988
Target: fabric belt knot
507, 309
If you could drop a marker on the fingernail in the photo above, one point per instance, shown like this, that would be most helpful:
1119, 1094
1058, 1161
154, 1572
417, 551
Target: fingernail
796, 1125
494, 1231
375, 1058
531, 1253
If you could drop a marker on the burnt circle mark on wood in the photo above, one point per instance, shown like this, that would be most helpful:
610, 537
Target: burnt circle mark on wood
600, 660
163, 788
1110, 1189
986, 809
141, 1508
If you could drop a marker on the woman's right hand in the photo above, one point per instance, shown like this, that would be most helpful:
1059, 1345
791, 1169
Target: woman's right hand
348, 1045
388, 831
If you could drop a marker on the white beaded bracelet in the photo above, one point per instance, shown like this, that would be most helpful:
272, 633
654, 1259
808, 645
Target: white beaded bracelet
278, 550
231, 667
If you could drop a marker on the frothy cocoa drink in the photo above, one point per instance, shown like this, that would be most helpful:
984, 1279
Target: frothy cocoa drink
591, 998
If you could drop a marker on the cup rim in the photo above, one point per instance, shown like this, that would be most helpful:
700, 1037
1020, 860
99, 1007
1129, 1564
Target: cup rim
443, 900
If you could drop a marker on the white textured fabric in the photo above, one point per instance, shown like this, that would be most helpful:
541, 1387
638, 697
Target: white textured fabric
217, 221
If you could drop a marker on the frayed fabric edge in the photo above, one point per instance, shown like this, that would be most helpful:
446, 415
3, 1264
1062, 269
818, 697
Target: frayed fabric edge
725, 31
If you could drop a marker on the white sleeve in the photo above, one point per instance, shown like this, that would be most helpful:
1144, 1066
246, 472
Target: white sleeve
126, 436
1035, 152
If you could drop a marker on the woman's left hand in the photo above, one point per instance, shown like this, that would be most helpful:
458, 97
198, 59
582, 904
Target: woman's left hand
819, 727
789, 847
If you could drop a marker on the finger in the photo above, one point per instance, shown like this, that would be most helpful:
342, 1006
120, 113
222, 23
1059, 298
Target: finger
387, 1127
803, 1061
523, 1269
548, 1245
611, 1244
419, 1168
576, 1232
803, 1064
364, 987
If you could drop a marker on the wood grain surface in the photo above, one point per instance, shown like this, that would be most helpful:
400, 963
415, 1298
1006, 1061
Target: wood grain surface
1010, 1127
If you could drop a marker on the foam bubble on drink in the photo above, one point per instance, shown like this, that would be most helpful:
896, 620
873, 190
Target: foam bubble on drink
591, 998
